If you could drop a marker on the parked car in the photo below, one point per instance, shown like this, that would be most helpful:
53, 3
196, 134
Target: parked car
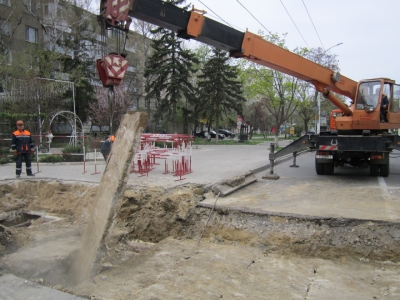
214, 134
203, 134
226, 133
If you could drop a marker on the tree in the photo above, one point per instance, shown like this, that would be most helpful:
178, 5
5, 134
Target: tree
257, 115
306, 104
277, 90
42, 58
170, 68
144, 39
104, 111
220, 88
80, 49
308, 95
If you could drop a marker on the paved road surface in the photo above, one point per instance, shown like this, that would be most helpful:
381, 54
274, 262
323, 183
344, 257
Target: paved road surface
349, 193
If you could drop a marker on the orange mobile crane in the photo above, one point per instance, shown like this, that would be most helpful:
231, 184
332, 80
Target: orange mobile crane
359, 137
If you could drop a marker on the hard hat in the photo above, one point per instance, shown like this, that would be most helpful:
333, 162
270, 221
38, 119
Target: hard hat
112, 138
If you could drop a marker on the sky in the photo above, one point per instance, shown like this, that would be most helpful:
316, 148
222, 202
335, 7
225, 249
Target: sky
367, 29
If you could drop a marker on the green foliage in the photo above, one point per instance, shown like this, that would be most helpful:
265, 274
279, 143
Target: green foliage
220, 88
298, 129
168, 73
162, 145
51, 158
16, 115
5, 160
84, 92
5, 156
4, 150
277, 91
69, 150
72, 149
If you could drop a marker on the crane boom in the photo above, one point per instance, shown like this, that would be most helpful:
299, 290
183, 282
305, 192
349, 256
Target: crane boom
247, 45
362, 135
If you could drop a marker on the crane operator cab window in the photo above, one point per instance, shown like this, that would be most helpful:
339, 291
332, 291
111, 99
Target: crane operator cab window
394, 102
368, 95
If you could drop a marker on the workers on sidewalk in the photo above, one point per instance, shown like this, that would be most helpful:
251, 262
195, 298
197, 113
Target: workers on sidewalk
22, 147
106, 147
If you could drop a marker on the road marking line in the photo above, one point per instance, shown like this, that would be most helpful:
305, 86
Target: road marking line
386, 196
384, 188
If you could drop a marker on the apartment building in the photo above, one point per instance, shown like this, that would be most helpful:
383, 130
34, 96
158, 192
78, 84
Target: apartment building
28, 26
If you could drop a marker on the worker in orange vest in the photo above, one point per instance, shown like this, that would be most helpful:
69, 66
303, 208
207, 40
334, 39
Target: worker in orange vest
106, 147
22, 147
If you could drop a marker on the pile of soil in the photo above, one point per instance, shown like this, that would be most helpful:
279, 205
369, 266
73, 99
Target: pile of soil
158, 247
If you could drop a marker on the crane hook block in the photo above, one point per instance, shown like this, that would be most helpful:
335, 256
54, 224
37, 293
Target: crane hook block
112, 69
115, 11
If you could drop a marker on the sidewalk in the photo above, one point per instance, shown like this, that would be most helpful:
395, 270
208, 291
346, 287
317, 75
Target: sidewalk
210, 163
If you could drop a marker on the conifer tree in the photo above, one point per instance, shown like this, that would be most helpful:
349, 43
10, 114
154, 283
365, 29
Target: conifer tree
169, 68
219, 87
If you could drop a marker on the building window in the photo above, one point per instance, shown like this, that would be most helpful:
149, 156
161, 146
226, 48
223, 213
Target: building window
4, 27
31, 34
31, 6
5, 2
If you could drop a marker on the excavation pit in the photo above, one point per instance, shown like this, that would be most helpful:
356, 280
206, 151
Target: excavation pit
19, 219
159, 247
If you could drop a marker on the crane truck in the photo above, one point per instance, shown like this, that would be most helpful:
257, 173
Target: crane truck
359, 138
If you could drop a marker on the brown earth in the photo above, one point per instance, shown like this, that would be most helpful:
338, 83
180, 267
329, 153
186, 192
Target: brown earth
159, 247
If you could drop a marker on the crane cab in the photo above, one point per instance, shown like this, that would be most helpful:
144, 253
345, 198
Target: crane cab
367, 107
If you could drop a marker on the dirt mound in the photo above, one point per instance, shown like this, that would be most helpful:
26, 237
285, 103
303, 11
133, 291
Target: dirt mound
158, 247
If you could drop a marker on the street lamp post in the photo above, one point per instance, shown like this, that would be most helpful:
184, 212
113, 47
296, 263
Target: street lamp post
318, 98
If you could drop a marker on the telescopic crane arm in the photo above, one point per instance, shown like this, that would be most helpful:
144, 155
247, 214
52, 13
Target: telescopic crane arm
247, 45
194, 25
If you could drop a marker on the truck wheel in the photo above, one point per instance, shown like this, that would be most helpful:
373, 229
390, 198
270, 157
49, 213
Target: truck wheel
319, 168
384, 170
374, 170
329, 168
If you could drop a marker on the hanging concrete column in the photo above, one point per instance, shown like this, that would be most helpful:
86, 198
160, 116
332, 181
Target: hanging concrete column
87, 262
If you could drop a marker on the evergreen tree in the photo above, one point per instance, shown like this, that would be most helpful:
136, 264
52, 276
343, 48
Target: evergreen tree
79, 65
169, 68
220, 90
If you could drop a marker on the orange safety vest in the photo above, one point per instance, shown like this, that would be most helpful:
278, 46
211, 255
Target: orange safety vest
22, 141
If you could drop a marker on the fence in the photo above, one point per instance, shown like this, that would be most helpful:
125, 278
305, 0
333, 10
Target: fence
171, 151
174, 149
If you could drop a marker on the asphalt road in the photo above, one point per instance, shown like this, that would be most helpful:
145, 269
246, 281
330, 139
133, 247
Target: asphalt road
348, 193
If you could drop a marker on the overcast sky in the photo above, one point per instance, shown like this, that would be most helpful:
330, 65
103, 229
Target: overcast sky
368, 29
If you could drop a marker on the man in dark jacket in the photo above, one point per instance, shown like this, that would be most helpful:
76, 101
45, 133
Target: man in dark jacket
106, 147
384, 107
22, 147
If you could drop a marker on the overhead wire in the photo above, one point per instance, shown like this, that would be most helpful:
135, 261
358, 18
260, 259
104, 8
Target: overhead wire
313, 24
254, 17
294, 23
215, 14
